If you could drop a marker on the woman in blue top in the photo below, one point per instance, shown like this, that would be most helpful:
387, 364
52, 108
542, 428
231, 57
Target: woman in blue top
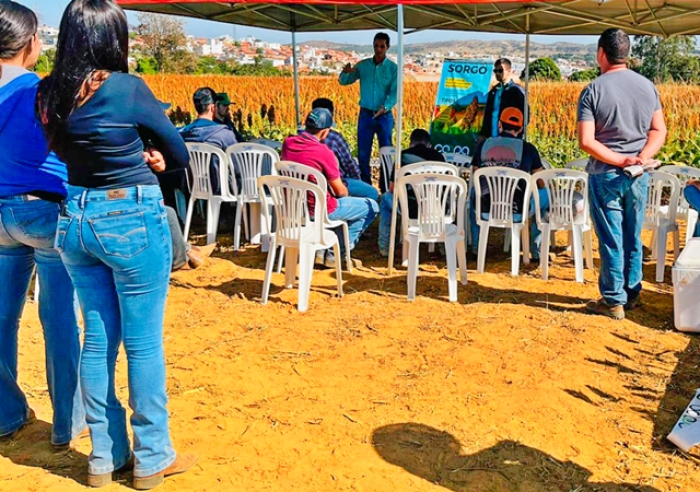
32, 183
113, 235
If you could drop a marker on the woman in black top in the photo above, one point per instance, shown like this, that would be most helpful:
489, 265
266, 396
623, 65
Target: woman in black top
113, 235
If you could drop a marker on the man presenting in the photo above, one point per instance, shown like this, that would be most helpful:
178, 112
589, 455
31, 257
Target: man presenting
505, 94
620, 124
377, 76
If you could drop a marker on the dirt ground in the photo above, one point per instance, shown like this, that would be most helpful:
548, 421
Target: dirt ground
513, 388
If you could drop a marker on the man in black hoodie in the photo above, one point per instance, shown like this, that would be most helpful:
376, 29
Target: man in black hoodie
205, 130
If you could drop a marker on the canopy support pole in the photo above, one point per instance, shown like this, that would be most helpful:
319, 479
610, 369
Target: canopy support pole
399, 130
527, 76
295, 66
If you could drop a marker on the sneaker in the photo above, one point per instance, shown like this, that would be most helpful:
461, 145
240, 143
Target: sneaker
329, 262
66, 445
182, 463
601, 307
633, 302
197, 255
384, 252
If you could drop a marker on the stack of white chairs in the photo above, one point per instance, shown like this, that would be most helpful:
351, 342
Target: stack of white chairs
502, 183
201, 156
301, 234
660, 218
561, 186
387, 159
684, 173
248, 159
300, 171
441, 206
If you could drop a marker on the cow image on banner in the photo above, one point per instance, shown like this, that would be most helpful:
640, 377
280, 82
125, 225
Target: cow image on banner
459, 108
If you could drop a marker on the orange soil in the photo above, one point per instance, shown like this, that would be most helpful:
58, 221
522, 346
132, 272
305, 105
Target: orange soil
513, 388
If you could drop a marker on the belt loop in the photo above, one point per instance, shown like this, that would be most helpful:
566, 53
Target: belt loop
139, 195
83, 198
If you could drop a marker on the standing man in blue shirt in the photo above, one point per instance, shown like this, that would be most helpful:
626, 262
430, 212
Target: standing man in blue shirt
377, 76
505, 94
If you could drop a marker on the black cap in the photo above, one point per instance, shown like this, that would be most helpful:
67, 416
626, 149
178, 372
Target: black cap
203, 98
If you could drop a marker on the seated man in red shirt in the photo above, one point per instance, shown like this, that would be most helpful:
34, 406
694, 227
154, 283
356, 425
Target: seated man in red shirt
307, 148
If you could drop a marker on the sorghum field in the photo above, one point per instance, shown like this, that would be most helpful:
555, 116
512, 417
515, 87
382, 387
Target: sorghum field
553, 104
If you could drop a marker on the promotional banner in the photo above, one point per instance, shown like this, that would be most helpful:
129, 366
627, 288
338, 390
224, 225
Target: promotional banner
459, 108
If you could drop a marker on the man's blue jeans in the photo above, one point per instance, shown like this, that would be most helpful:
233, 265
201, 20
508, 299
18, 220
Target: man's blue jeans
358, 213
367, 127
116, 246
692, 195
385, 207
617, 208
535, 233
360, 189
27, 232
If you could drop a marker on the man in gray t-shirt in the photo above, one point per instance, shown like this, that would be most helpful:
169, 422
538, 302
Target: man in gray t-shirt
620, 124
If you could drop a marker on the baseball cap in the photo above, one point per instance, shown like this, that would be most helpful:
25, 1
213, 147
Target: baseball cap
203, 97
513, 117
319, 119
222, 98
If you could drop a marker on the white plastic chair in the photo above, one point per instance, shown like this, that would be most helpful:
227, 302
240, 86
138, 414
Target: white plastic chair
300, 171
387, 159
459, 160
684, 173
300, 233
561, 186
661, 218
201, 156
546, 165
578, 164
248, 159
502, 183
441, 200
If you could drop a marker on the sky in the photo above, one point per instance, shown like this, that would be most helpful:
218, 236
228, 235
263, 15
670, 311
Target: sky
50, 12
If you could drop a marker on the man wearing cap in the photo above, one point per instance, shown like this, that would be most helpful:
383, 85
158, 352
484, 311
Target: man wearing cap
620, 124
349, 169
205, 130
307, 148
505, 94
508, 149
223, 114
378, 77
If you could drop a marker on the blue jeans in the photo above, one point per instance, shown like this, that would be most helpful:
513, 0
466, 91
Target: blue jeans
385, 207
116, 246
535, 233
367, 127
358, 213
360, 189
27, 232
692, 195
617, 208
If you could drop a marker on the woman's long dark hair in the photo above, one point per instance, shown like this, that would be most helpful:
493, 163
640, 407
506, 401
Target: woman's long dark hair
18, 26
94, 36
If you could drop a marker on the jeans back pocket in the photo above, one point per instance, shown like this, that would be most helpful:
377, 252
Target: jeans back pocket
122, 233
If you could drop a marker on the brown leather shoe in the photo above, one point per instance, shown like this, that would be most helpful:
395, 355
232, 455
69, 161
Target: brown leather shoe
197, 255
31, 417
602, 307
104, 479
182, 463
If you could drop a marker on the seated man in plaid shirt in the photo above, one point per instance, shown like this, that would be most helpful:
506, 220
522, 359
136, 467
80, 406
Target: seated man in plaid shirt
349, 168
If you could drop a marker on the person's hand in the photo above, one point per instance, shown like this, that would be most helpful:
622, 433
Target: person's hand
631, 161
693, 182
155, 160
380, 112
348, 68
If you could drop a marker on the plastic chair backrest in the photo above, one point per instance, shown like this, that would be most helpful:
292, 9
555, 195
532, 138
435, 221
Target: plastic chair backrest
289, 196
441, 201
248, 159
273, 144
561, 185
425, 167
578, 164
459, 160
683, 173
656, 208
387, 159
201, 156
301, 171
502, 183
546, 165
